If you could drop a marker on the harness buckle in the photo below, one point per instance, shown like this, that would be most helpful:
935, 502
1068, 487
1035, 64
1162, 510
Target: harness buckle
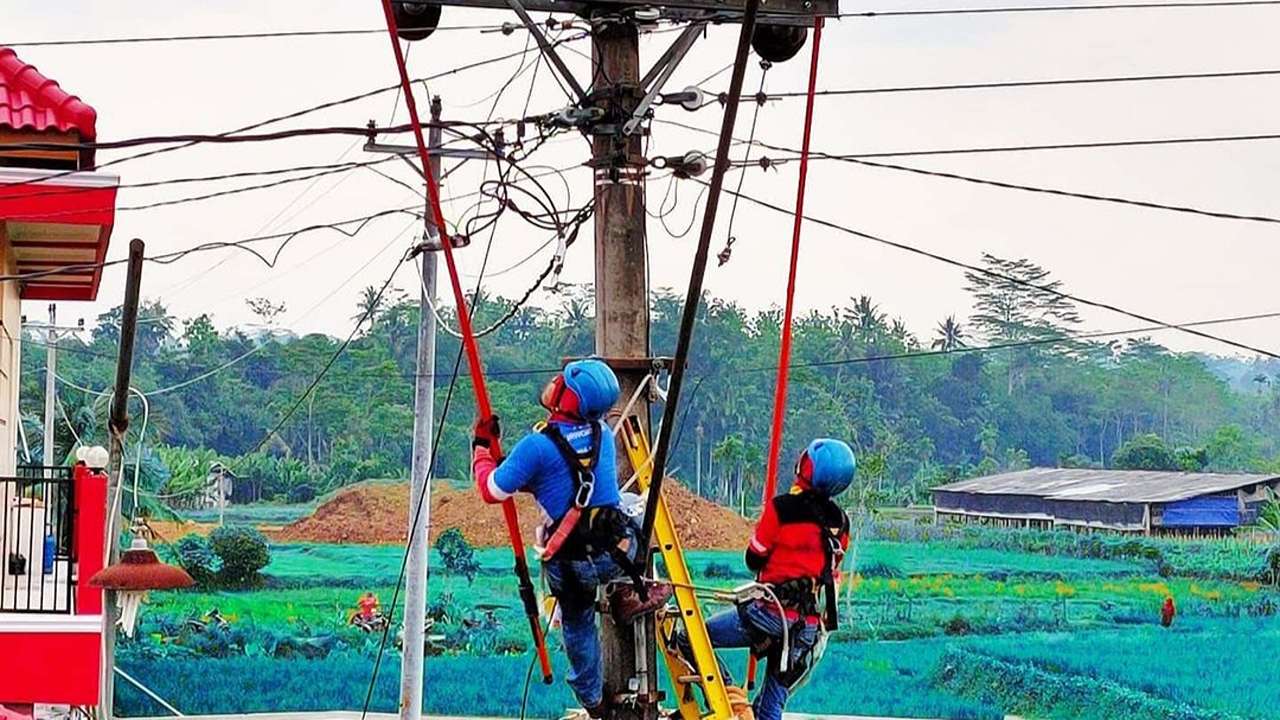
585, 488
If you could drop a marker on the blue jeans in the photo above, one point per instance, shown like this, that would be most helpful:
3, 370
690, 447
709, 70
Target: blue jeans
574, 584
739, 628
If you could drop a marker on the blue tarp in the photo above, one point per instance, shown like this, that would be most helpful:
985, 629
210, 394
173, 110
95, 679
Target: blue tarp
1202, 512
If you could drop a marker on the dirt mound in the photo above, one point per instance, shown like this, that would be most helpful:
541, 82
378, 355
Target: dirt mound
376, 513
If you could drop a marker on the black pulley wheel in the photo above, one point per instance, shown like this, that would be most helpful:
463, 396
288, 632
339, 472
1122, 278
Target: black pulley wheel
778, 43
416, 21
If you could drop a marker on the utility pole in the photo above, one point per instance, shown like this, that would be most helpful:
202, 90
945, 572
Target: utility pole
415, 599
622, 311
118, 425
50, 383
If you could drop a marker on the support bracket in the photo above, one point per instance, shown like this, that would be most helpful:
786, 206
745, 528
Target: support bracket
657, 77
548, 50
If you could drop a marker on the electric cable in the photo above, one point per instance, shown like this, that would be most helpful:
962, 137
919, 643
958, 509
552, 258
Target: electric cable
861, 160
1009, 278
1061, 8
724, 254
294, 114
996, 85
131, 40
333, 358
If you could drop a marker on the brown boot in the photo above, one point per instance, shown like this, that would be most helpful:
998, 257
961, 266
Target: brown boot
627, 605
739, 703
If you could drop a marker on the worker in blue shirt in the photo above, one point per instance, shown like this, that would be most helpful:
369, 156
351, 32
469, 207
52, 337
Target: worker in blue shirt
586, 540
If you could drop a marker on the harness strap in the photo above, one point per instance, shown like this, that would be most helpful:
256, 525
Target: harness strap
582, 471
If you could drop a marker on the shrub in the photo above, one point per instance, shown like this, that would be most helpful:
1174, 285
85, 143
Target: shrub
243, 552
880, 570
957, 625
196, 556
1144, 452
458, 556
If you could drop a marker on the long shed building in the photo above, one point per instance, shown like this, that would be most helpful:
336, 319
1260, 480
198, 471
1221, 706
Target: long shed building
1138, 501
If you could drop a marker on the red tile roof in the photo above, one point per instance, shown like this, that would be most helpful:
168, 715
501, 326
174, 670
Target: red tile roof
31, 101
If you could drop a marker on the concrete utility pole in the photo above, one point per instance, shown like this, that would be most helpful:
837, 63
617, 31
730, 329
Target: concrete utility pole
118, 426
50, 383
415, 598
622, 311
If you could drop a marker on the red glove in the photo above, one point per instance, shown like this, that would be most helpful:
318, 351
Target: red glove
487, 433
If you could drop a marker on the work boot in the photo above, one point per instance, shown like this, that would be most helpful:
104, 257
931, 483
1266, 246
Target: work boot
739, 703
627, 605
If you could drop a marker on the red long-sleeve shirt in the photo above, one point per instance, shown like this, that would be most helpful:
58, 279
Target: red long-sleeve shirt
788, 541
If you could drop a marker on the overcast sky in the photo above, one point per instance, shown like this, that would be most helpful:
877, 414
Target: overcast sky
1173, 266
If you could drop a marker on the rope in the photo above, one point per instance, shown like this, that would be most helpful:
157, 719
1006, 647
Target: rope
784, 350
693, 297
723, 257
483, 406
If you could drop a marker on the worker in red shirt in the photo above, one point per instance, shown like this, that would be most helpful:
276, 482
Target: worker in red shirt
1167, 611
368, 606
795, 552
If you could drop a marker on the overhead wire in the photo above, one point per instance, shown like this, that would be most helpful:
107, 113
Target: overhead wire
1182, 5
1111, 307
265, 35
1097, 197
1005, 84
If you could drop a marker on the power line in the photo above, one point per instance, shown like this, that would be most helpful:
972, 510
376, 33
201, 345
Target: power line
859, 160
1143, 142
337, 353
329, 104
1069, 193
230, 36
1009, 278
1061, 8
995, 85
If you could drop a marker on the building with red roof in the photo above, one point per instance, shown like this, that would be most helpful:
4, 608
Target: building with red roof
56, 215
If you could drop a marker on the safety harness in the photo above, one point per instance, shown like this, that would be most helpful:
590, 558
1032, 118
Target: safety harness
584, 531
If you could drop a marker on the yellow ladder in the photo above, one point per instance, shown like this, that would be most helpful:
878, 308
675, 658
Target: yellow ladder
705, 671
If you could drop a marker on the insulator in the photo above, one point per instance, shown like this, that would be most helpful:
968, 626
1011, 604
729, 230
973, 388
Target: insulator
693, 164
778, 43
415, 21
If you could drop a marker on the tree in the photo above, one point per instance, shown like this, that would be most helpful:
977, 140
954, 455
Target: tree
1144, 452
458, 556
866, 315
1231, 448
369, 305
1015, 300
950, 335
266, 310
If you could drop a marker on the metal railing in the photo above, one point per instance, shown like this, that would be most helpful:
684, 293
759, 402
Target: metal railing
37, 536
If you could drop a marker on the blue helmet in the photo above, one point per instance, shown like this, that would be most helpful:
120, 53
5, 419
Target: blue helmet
830, 467
595, 385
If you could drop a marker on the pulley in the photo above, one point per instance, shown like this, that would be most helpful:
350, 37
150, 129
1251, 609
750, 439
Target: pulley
778, 43
416, 21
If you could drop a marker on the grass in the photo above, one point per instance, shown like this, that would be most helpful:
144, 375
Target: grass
1041, 617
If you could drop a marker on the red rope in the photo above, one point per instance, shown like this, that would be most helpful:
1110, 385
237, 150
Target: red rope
483, 407
784, 352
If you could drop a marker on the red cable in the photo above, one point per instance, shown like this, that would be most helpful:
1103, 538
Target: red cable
784, 351
483, 406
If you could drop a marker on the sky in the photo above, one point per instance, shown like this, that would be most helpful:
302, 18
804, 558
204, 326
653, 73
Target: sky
1172, 266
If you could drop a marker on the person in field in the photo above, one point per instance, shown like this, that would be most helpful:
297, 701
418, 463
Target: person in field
586, 541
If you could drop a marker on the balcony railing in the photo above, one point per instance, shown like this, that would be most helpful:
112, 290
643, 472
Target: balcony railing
37, 531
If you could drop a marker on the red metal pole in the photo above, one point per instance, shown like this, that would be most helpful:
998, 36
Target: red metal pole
483, 406
784, 351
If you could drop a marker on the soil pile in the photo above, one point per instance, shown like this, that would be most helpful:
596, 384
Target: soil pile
376, 514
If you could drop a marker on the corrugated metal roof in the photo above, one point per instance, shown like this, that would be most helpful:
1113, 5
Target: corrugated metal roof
1140, 486
31, 101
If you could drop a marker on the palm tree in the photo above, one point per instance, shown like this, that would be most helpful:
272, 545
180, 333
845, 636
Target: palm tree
950, 335
370, 302
866, 315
